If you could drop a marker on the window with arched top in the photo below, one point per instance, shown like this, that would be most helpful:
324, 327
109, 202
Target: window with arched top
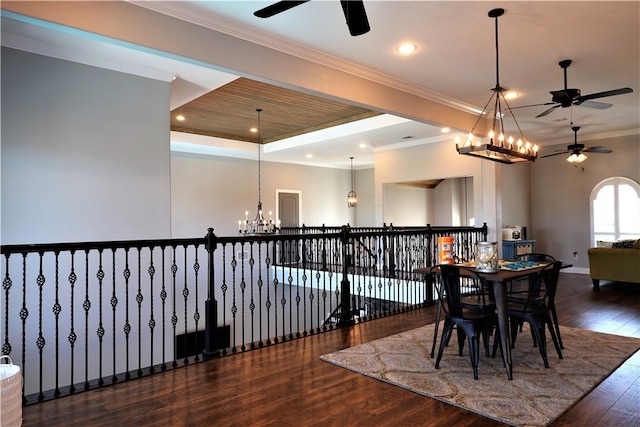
615, 210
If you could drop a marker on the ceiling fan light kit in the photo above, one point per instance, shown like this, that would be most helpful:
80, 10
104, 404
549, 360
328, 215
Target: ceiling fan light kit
576, 158
499, 148
577, 150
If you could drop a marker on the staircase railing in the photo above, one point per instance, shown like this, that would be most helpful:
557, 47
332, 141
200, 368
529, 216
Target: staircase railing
77, 316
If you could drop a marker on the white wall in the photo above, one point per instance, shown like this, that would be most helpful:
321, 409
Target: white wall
404, 205
210, 191
365, 188
560, 219
450, 203
435, 161
515, 194
85, 153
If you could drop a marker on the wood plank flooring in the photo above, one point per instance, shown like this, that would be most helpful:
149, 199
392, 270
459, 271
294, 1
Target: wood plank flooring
287, 384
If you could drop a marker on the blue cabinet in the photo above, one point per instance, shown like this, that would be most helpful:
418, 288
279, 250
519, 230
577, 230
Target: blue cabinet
511, 248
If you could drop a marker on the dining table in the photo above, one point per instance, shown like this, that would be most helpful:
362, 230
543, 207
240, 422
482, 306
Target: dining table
499, 280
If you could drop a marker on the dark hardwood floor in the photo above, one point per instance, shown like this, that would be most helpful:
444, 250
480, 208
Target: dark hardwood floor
287, 384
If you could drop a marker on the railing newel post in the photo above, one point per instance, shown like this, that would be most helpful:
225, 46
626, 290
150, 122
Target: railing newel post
346, 317
211, 305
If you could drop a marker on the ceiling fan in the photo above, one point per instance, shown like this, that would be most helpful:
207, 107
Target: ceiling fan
567, 97
577, 151
353, 11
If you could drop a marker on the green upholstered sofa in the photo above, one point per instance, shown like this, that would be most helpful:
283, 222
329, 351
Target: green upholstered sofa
615, 264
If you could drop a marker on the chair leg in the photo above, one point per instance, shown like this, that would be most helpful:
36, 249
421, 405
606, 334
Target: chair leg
556, 339
514, 332
497, 342
556, 325
485, 341
474, 352
538, 331
446, 332
461, 338
435, 332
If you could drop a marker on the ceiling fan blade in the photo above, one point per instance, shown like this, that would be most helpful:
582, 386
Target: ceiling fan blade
556, 154
547, 111
614, 92
276, 8
532, 105
598, 149
594, 104
356, 17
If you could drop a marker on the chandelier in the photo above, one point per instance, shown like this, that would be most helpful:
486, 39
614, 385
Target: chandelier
352, 198
498, 148
259, 224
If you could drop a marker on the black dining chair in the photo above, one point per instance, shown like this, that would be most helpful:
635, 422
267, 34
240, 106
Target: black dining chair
471, 321
515, 295
470, 300
535, 309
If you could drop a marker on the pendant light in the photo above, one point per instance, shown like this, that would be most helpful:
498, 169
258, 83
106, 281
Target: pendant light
352, 198
259, 225
498, 148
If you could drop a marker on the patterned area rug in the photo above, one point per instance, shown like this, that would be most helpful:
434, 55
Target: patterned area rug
535, 397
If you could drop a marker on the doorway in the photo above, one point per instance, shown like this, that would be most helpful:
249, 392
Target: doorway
288, 212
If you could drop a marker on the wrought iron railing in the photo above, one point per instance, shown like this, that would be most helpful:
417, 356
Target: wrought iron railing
77, 316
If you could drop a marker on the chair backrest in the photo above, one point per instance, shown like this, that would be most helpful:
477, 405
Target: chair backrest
457, 283
535, 257
543, 285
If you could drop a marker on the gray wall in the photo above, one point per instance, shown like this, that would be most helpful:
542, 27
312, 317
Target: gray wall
210, 191
560, 195
515, 194
86, 156
404, 205
85, 152
365, 188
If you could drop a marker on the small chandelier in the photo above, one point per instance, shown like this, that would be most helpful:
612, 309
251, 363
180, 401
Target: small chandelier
259, 224
499, 148
352, 198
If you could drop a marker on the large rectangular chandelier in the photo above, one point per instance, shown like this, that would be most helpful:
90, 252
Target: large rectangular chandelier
498, 148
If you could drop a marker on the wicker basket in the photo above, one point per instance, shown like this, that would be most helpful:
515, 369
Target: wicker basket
10, 394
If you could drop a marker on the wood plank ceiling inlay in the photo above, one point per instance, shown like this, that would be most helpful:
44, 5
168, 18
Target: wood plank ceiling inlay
427, 183
230, 111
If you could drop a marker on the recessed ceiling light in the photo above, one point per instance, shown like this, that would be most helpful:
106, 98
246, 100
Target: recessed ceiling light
445, 130
363, 145
253, 130
406, 48
309, 156
180, 118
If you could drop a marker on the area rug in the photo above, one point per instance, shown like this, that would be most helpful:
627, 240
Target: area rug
535, 397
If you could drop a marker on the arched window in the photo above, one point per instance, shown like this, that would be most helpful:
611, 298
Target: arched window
615, 210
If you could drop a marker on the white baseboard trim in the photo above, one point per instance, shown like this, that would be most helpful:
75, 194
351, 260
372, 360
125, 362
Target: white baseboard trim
575, 270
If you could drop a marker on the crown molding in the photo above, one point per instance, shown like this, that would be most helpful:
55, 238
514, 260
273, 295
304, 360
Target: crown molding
198, 16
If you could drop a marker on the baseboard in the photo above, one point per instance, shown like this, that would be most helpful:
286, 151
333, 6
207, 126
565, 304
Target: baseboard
575, 270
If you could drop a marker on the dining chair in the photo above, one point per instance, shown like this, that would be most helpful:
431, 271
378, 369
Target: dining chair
470, 322
535, 309
470, 300
513, 294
